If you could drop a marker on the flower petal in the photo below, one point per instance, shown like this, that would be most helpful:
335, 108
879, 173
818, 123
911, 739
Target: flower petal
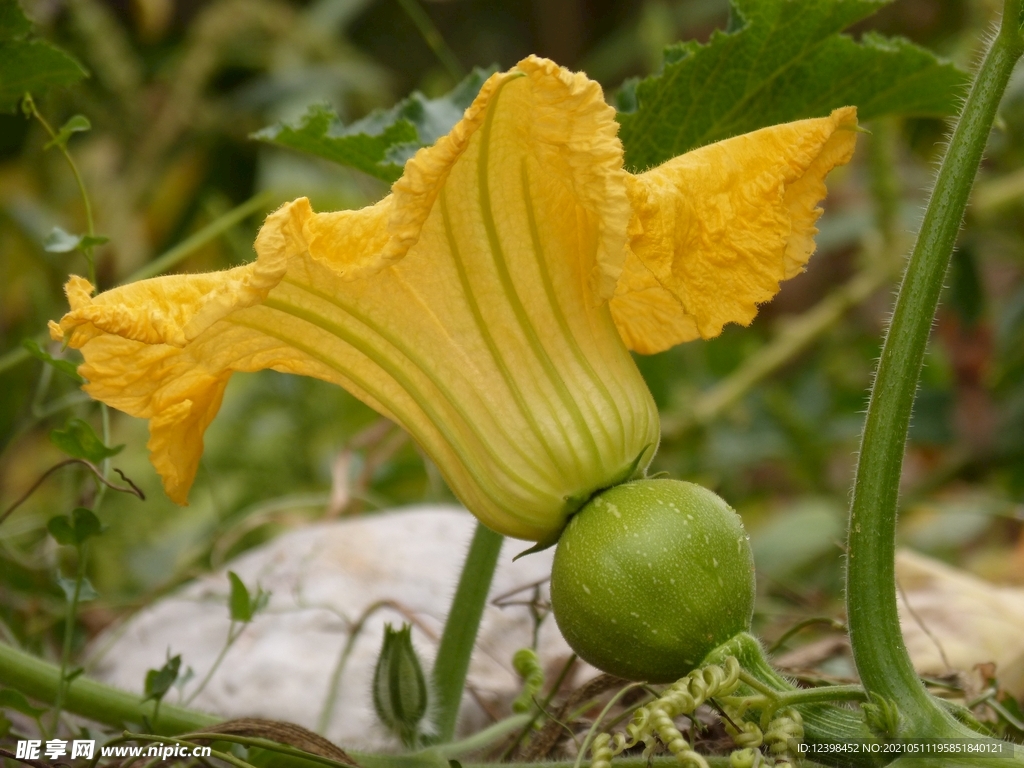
716, 229
466, 306
164, 349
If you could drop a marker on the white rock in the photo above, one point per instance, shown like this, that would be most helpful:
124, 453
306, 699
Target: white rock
322, 579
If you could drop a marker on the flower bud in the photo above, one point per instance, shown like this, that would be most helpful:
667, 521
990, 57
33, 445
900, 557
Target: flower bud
400, 692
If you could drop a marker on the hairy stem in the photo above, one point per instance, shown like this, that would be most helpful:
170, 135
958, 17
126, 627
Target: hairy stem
460, 628
880, 654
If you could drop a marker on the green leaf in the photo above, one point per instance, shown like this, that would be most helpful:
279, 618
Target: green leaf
243, 605
61, 530
64, 366
159, 681
85, 524
14, 24
72, 531
782, 60
29, 66
239, 603
12, 699
78, 439
85, 594
380, 143
319, 132
76, 124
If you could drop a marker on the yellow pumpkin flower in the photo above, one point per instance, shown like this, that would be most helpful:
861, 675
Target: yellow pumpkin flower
489, 302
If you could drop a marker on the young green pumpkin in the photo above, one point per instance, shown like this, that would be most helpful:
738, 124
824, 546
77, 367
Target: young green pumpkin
650, 576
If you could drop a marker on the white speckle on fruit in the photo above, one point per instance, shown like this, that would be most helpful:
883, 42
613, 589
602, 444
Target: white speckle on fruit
713, 560
671, 581
634, 614
615, 511
585, 588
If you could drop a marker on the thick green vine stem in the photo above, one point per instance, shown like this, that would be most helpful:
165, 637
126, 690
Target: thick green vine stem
40, 680
880, 654
460, 629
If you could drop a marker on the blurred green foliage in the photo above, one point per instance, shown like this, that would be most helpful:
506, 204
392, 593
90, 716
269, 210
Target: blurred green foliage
174, 93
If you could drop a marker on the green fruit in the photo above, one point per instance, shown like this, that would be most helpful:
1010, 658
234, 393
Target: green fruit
650, 576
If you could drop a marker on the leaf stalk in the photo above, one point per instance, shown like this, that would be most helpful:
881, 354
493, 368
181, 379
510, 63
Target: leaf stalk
460, 629
878, 648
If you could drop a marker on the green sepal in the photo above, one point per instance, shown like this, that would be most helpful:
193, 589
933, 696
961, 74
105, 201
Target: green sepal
573, 504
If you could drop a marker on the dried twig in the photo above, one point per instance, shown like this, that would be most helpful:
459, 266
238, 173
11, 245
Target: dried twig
133, 489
